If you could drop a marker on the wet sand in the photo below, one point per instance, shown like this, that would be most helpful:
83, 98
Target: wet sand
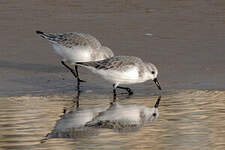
186, 42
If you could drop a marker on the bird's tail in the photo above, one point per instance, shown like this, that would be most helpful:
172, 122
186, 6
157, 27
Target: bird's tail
50, 37
83, 63
92, 64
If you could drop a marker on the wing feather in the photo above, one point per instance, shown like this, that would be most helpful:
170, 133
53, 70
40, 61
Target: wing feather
71, 39
114, 63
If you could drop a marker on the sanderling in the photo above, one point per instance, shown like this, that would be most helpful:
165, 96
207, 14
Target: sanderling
123, 70
77, 47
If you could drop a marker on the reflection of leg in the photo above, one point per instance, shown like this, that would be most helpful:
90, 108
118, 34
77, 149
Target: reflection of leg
114, 90
76, 102
71, 70
130, 92
77, 99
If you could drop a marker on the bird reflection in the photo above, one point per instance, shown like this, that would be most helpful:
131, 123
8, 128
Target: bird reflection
86, 122
125, 117
76, 102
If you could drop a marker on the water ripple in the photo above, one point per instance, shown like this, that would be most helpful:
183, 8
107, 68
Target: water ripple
189, 119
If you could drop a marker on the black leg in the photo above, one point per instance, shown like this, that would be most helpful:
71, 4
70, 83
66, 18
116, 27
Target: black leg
114, 92
71, 70
78, 78
130, 92
75, 74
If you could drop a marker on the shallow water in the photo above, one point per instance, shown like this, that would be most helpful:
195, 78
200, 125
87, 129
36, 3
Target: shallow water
187, 120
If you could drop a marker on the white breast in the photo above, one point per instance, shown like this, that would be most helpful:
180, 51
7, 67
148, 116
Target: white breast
74, 54
129, 76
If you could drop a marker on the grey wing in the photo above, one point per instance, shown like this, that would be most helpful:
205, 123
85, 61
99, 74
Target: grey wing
91, 40
71, 39
113, 63
78, 39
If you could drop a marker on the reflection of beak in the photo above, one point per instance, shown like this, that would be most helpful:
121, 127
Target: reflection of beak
157, 83
157, 102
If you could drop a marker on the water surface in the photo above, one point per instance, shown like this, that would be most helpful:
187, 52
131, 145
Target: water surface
187, 120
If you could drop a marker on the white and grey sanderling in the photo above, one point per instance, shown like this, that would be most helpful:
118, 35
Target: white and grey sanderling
76, 47
85, 50
123, 70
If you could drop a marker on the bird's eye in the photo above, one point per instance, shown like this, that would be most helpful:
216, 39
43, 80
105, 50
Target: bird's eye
153, 72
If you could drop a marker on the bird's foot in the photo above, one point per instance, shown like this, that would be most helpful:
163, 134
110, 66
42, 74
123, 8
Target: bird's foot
130, 92
79, 80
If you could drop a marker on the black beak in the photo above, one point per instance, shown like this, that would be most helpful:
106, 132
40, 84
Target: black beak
157, 102
157, 83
